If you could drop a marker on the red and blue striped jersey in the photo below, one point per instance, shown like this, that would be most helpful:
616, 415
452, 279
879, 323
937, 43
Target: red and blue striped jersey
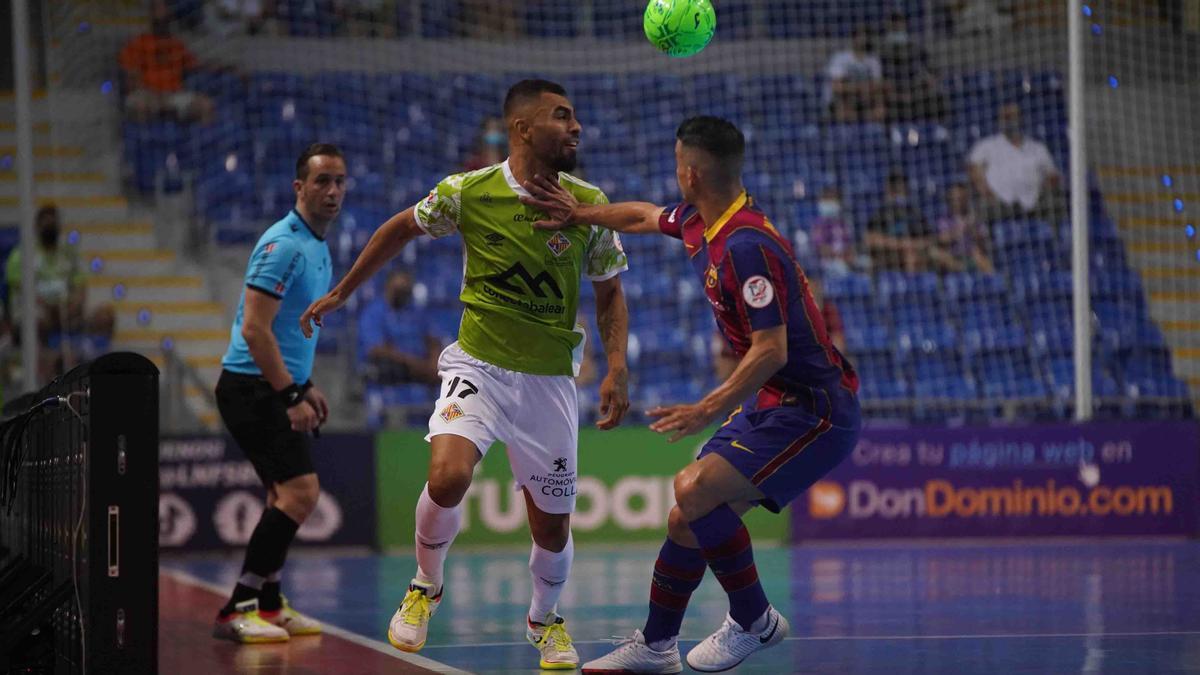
753, 282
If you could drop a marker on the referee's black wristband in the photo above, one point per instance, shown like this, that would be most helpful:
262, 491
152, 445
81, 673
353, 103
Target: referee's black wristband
293, 394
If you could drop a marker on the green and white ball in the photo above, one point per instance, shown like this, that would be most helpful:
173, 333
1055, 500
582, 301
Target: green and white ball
679, 27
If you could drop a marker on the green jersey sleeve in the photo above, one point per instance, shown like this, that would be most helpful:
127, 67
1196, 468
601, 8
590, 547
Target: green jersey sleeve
440, 213
605, 255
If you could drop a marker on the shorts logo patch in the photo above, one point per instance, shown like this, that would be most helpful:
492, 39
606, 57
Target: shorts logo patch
268, 248
560, 464
758, 291
451, 412
280, 288
558, 243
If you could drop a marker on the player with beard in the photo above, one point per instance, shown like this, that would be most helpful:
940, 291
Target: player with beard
509, 377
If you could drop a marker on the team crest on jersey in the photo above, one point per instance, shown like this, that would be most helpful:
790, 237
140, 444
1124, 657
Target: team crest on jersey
710, 276
452, 412
558, 243
758, 291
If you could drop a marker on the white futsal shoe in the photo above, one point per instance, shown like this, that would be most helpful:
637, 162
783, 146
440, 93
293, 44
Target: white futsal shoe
410, 624
245, 625
730, 645
292, 621
633, 655
553, 643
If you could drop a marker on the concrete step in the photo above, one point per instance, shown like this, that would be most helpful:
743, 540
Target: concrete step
177, 288
113, 235
60, 184
73, 209
1180, 333
171, 316
131, 262
186, 342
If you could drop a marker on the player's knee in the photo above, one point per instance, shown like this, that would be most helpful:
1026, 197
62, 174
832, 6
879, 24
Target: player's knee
448, 482
551, 533
677, 526
689, 495
298, 498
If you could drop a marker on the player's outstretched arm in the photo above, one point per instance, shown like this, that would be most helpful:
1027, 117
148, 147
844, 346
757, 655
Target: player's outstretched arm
385, 244
563, 210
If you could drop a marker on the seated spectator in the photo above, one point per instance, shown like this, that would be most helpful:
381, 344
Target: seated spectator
832, 235
491, 146
234, 17
913, 88
154, 65
60, 291
980, 17
855, 90
963, 239
898, 236
394, 339
1014, 175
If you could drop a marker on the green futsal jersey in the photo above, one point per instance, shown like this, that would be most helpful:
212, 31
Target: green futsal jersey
520, 285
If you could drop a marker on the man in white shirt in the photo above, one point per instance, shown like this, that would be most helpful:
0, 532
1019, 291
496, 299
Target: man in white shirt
1013, 175
855, 88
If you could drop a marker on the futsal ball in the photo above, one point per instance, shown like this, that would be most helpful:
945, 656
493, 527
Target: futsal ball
679, 27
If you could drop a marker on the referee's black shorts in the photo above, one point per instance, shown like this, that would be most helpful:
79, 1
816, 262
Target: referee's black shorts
258, 421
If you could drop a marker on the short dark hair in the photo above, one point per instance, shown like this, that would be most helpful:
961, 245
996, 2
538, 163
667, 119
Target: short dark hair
46, 210
527, 89
718, 137
315, 150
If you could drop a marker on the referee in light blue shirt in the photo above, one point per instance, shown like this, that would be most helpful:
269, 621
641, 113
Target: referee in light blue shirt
266, 398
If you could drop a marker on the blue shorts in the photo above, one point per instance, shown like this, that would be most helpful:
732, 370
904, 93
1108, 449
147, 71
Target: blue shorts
783, 450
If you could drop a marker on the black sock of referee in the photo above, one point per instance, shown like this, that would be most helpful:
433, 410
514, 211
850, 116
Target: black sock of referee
270, 598
264, 555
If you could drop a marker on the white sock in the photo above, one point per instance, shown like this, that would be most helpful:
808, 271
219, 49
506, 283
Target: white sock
549, 571
436, 528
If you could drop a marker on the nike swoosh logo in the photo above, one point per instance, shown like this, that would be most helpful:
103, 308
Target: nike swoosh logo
434, 546
765, 640
739, 446
550, 583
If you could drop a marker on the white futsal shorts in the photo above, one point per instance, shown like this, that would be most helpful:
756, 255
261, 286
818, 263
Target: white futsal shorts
535, 416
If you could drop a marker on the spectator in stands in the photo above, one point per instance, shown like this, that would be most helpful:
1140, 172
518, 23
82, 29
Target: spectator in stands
394, 338
491, 146
855, 88
898, 236
60, 290
374, 18
154, 65
913, 89
976, 17
963, 239
233, 17
1014, 175
832, 236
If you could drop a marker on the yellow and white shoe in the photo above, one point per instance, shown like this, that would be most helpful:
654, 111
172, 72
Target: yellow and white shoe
244, 625
553, 642
410, 624
292, 621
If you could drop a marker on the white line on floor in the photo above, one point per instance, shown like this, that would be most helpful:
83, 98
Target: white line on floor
376, 645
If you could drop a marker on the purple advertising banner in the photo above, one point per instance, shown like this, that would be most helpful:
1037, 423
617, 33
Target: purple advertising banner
1137, 478
210, 497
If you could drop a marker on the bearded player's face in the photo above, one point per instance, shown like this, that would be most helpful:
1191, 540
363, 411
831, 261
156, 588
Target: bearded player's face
554, 134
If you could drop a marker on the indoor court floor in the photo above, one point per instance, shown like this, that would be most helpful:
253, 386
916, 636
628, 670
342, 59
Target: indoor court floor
1128, 606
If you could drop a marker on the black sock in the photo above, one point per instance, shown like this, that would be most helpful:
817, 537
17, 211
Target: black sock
265, 554
269, 599
241, 593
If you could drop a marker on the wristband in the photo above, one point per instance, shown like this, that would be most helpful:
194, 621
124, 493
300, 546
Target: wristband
293, 394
